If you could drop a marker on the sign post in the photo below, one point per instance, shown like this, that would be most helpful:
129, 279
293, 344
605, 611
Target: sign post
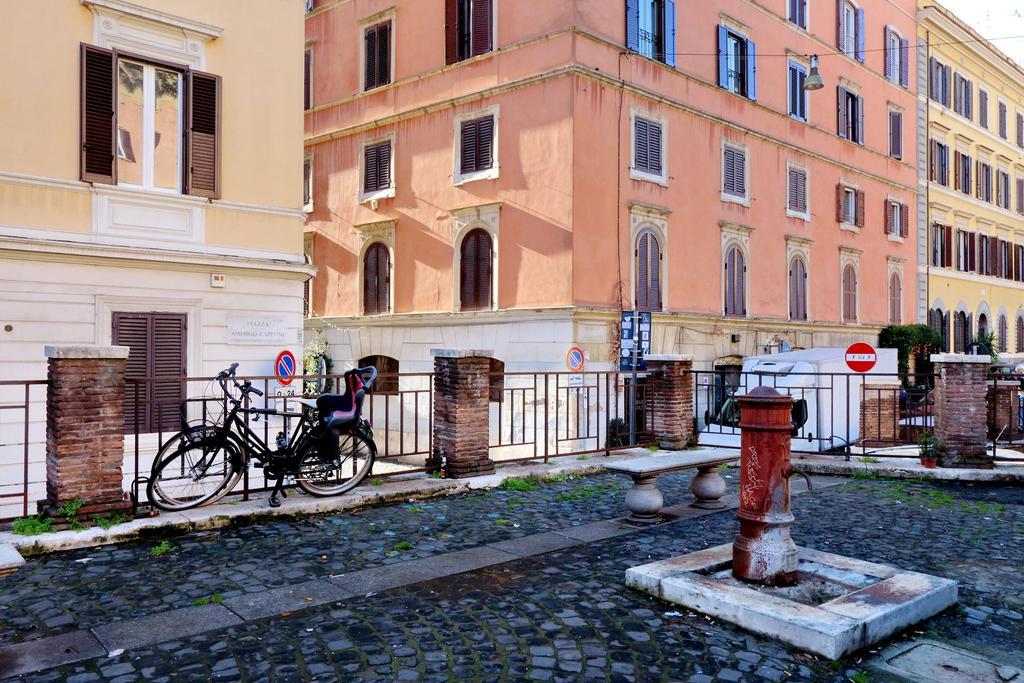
861, 357
634, 344
284, 367
575, 360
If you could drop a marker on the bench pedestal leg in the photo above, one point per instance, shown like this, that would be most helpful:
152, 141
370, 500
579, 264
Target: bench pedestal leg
644, 500
708, 488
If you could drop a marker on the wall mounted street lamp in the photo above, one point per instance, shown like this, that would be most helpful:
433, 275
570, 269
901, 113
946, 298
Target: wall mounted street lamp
813, 80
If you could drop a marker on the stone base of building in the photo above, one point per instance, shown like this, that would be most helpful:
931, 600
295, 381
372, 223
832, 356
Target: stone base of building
87, 515
864, 602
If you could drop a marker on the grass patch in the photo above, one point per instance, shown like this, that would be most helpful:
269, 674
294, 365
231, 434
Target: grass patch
502, 522
864, 474
653, 448
75, 525
583, 457
589, 492
402, 545
70, 508
32, 526
377, 482
514, 501
106, 522
868, 458
160, 549
214, 599
520, 483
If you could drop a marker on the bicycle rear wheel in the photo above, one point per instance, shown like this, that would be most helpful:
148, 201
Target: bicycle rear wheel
195, 474
346, 470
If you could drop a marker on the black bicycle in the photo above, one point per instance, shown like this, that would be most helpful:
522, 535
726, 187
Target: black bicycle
331, 451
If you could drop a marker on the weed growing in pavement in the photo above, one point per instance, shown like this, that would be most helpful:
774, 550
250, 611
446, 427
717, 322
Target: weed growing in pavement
32, 526
583, 457
724, 467
107, 522
161, 548
70, 508
501, 522
215, 599
402, 545
868, 458
75, 525
653, 448
513, 502
377, 482
589, 492
861, 677
864, 474
519, 484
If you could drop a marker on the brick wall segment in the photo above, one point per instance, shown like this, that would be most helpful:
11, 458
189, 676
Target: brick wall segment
461, 412
961, 410
671, 399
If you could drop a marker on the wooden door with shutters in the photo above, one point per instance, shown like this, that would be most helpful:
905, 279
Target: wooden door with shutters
157, 349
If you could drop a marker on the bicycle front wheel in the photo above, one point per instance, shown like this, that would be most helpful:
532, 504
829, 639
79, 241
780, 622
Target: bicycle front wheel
340, 472
195, 474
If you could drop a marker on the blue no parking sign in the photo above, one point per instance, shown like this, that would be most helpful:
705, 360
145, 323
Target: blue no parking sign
284, 367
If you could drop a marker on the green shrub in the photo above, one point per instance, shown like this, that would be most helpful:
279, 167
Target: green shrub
919, 340
32, 526
161, 548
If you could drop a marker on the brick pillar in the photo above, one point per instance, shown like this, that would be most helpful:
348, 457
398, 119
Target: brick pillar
1002, 409
85, 427
461, 412
880, 412
671, 392
961, 413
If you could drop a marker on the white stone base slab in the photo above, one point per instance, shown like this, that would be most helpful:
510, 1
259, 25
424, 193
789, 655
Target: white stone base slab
876, 600
10, 559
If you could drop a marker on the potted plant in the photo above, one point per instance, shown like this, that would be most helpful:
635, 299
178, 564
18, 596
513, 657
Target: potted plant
928, 450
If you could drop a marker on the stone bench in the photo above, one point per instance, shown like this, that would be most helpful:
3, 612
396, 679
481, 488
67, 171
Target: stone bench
644, 500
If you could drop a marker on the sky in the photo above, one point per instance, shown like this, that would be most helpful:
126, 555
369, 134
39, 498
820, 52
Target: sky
994, 19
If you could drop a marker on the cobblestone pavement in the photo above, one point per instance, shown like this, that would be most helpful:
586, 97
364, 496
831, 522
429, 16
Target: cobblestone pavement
60, 592
568, 616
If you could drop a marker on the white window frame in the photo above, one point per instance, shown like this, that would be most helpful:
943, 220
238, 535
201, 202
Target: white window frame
889, 112
790, 63
370, 234
635, 173
888, 288
895, 208
364, 24
895, 55
850, 31
806, 215
307, 206
387, 192
798, 248
653, 220
743, 200
486, 217
849, 217
145, 149
807, 15
739, 237
491, 173
850, 257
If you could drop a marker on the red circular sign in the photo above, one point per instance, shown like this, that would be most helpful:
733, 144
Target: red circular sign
284, 367
861, 357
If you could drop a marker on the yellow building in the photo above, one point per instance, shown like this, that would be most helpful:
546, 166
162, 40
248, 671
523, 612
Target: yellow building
971, 142
150, 182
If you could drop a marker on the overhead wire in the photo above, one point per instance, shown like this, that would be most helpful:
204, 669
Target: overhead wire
841, 52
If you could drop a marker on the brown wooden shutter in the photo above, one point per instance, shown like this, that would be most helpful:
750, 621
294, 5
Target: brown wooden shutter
370, 168
642, 273
655, 274
307, 80
370, 304
840, 203
168, 344
468, 146
860, 208
485, 143
451, 31
888, 218
481, 37
957, 165
641, 155
475, 271
972, 248
132, 330
384, 54
98, 122
654, 147
203, 177
947, 246
904, 220
932, 160
370, 55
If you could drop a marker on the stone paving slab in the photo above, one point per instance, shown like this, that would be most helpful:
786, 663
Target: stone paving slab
46, 653
10, 559
905, 468
596, 531
159, 628
286, 599
537, 544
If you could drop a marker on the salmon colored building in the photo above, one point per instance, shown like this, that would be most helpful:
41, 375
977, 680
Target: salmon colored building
481, 176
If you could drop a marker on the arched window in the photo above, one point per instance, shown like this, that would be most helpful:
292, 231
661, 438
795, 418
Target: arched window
648, 272
895, 298
376, 280
982, 325
939, 322
1002, 343
735, 283
387, 373
797, 289
475, 271
849, 293
1020, 335
961, 332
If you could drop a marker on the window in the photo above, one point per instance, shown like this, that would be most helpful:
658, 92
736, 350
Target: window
1005, 260
851, 115
796, 195
982, 108
1003, 190
651, 29
1020, 196
737, 63
376, 280
849, 293
476, 271
469, 29
896, 134
648, 272
962, 165
938, 163
797, 289
939, 322
387, 373
849, 206
939, 77
966, 251
307, 184
648, 150
798, 12
982, 324
307, 80
157, 348
377, 55
897, 58
985, 255
377, 162
897, 219
942, 246
144, 143
735, 283
963, 96
1020, 130
476, 148
1018, 263
1019, 348
850, 29
1002, 120
895, 298
797, 94
734, 172
984, 184
961, 331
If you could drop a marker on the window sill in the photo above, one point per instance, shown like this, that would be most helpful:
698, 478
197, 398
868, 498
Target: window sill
734, 199
805, 217
489, 174
850, 227
365, 198
895, 238
649, 177
799, 119
307, 208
